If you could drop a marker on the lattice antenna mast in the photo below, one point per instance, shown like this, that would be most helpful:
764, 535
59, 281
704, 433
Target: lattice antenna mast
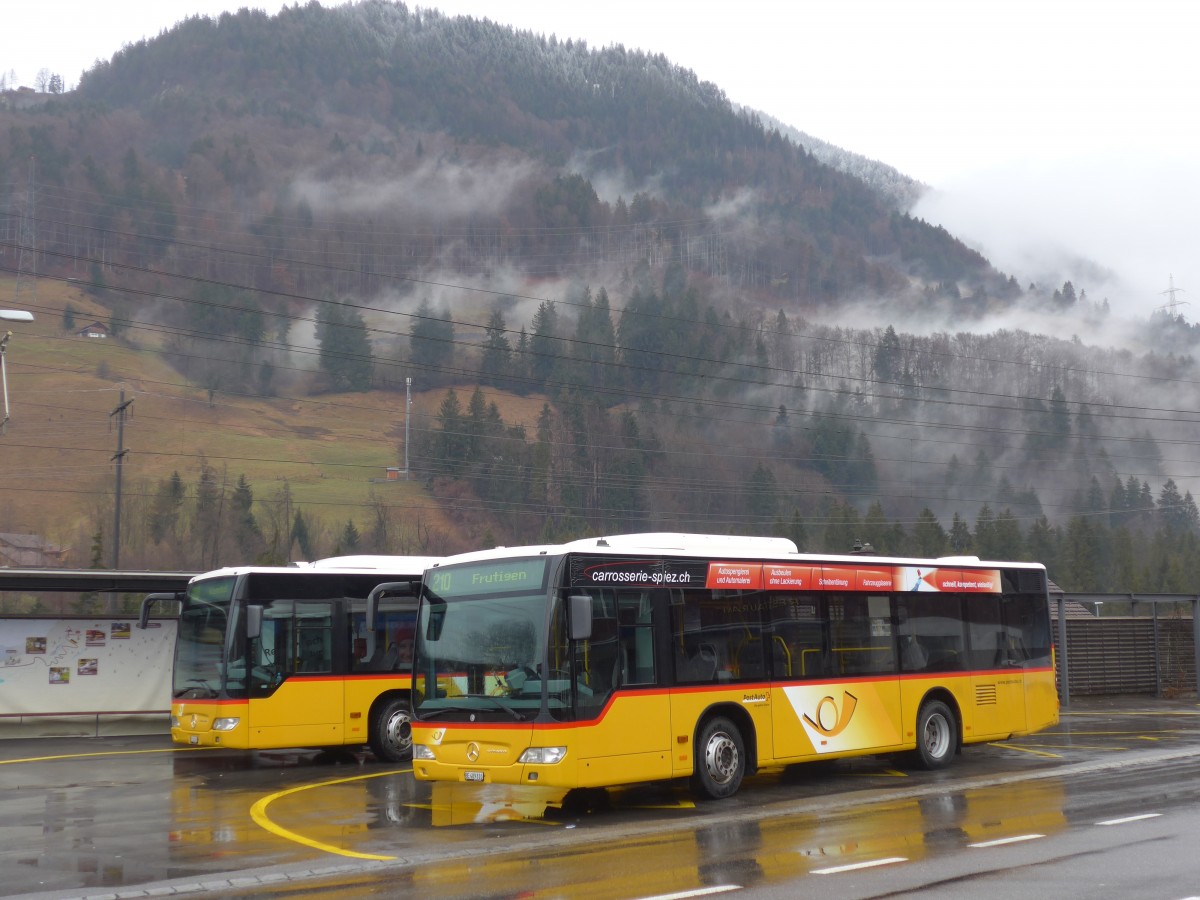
1173, 303
26, 287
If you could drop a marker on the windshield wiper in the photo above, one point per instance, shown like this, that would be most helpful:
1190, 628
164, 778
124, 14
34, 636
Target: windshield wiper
458, 707
508, 709
211, 691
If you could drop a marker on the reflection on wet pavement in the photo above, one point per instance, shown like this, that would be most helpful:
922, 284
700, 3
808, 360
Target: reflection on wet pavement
143, 814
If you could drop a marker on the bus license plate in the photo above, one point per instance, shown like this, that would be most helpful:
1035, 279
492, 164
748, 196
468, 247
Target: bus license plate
194, 739
473, 776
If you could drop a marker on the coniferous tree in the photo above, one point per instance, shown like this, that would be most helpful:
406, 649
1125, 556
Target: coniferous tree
1007, 543
351, 540
450, 443
627, 469
961, 541
301, 537
842, 527
495, 365
888, 363
206, 526
984, 540
762, 496
165, 508
929, 538
248, 536
1042, 543
876, 531
544, 346
1080, 559
344, 347
1172, 511
796, 531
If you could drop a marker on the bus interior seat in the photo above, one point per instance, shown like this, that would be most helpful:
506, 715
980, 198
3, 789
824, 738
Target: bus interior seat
701, 665
390, 659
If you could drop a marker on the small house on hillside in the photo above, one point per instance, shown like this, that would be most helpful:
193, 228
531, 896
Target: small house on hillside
26, 551
95, 330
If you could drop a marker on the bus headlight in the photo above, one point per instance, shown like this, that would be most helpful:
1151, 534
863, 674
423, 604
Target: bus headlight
543, 755
174, 721
225, 724
420, 751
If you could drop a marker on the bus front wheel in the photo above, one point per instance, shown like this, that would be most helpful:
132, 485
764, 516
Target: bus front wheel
937, 735
391, 732
720, 759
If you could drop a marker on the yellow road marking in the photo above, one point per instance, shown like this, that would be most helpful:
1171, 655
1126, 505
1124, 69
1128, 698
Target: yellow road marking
893, 773
1027, 750
1134, 712
1124, 733
34, 759
258, 812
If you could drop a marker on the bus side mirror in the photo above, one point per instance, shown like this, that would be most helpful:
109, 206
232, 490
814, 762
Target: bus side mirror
162, 596
387, 589
579, 607
254, 620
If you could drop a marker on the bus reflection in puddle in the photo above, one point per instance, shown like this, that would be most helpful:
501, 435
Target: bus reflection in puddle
469, 804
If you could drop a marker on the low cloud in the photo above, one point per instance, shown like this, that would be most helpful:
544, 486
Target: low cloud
1117, 231
437, 190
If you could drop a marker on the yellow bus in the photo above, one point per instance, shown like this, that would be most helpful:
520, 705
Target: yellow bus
310, 655
647, 657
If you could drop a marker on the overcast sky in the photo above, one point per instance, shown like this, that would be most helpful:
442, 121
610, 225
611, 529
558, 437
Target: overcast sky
1055, 132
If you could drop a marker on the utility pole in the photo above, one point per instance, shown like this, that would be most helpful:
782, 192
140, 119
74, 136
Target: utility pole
119, 456
1173, 304
407, 411
8, 315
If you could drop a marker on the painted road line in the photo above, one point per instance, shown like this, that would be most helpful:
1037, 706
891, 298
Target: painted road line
835, 870
37, 759
1125, 819
258, 812
698, 892
999, 842
1027, 750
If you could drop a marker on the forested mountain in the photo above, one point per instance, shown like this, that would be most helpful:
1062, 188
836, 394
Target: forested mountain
624, 302
889, 182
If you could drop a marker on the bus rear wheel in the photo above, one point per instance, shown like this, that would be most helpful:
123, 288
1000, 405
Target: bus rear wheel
937, 735
720, 759
391, 732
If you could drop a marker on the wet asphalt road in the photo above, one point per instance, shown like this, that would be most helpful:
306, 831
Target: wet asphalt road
136, 816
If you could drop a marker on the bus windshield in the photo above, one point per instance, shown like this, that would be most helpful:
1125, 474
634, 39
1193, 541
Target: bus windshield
200, 645
481, 638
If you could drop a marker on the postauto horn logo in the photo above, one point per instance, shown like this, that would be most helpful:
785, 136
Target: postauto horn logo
828, 719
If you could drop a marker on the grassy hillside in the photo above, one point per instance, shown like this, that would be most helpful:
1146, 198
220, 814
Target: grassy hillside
330, 451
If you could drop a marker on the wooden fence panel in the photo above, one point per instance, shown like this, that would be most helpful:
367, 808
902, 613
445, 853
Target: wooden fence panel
1117, 656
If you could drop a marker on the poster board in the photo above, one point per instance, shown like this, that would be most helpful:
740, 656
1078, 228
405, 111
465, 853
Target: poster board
85, 666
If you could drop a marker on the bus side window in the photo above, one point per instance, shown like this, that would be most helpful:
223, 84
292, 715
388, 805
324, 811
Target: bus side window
314, 633
861, 634
1028, 629
985, 632
930, 632
598, 659
797, 633
635, 615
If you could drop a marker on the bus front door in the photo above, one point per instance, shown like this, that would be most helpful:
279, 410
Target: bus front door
304, 700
